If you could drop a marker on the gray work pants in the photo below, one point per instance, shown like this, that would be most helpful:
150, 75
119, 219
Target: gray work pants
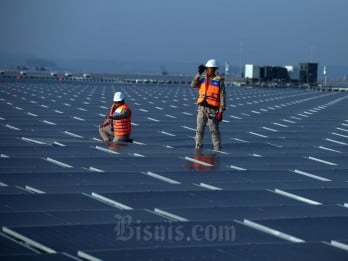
206, 114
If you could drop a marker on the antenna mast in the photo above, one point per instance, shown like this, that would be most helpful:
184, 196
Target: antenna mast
240, 58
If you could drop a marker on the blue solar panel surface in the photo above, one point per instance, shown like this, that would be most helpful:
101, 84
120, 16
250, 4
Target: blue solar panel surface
277, 190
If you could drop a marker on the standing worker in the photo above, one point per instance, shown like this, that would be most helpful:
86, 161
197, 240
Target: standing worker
117, 125
211, 102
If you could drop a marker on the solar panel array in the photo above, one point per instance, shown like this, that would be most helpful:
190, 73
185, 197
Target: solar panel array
276, 191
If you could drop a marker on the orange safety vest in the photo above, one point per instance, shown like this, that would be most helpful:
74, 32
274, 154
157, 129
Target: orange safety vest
209, 91
122, 127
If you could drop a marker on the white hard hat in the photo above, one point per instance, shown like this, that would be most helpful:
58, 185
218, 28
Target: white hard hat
212, 63
118, 96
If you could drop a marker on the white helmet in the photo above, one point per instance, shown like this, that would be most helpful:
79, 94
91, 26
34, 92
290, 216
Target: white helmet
212, 63
118, 96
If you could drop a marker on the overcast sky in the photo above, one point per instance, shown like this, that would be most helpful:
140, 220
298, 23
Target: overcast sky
273, 32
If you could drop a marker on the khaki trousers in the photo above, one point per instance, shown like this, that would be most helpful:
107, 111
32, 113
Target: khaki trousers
207, 115
107, 135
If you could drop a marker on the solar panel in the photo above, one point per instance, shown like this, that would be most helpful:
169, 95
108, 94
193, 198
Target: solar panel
165, 234
312, 229
254, 252
278, 186
11, 247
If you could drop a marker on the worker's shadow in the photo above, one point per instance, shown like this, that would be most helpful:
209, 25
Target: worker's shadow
203, 161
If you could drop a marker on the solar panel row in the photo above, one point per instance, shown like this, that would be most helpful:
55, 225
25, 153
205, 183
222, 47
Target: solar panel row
277, 189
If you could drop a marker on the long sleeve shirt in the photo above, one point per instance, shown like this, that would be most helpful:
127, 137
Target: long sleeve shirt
120, 115
196, 84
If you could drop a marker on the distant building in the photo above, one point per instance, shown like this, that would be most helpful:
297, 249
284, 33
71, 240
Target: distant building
266, 73
293, 73
273, 73
309, 73
252, 72
306, 73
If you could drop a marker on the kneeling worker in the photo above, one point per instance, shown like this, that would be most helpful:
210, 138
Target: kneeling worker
117, 125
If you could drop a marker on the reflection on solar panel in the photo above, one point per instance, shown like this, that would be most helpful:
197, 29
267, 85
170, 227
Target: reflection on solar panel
276, 191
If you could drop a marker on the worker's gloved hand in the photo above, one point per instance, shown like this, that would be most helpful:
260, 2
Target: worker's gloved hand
219, 116
201, 69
